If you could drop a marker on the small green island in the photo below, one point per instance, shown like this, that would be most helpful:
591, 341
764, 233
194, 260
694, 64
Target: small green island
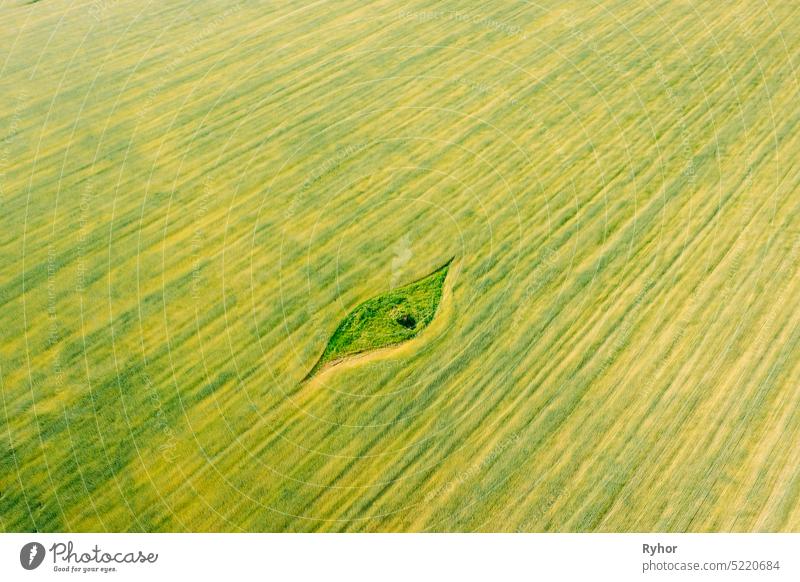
386, 320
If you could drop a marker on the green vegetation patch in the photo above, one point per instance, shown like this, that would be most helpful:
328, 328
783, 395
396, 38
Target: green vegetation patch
386, 320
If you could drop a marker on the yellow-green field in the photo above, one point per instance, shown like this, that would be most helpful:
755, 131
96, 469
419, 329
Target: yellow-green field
194, 194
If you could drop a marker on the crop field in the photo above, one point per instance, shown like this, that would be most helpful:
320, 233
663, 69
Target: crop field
195, 194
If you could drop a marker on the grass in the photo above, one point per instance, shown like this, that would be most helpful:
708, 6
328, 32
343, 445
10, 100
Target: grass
194, 193
386, 320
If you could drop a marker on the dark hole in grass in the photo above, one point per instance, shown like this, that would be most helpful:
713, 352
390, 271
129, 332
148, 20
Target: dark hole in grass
407, 320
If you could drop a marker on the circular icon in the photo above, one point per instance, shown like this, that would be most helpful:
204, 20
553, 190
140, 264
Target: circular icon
31, 555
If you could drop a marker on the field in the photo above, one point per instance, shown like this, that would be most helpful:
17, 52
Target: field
195, 194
